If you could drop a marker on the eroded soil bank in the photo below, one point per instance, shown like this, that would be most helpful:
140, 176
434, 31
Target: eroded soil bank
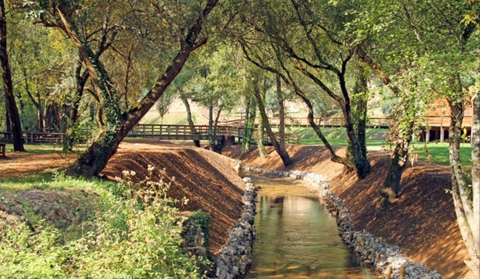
421, 221
206, 179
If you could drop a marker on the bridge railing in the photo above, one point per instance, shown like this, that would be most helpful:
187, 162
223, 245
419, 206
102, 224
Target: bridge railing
165, 130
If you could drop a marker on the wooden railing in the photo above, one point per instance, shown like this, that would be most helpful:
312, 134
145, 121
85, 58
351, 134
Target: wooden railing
374, 122
34, 137
182, 132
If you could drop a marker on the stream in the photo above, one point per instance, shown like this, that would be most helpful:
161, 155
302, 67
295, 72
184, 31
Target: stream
297, 237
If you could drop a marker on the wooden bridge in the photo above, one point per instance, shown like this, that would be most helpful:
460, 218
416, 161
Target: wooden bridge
185, 132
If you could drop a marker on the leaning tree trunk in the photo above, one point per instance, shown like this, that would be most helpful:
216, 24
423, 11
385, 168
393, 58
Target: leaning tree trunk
316, 128
260, 136
398, 162
282, 152
475, 136
12, 109
463, 207
184, 99
97, 155
71, 136
249, 124
217, 148
281, 111
211, 139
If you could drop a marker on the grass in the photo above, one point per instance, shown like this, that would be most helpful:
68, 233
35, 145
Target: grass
434, 152
44, 148
438, 153
25, 182
336, 136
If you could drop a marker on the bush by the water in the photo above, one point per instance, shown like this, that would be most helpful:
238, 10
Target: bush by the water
133, 233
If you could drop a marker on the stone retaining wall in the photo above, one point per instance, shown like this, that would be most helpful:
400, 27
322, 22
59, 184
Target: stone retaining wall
387, 259
235, 257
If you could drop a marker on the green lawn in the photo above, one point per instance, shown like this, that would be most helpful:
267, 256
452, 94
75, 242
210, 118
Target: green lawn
432, 152
438, 153
336, 136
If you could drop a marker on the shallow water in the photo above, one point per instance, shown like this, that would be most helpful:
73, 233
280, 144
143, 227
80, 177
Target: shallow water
296, 236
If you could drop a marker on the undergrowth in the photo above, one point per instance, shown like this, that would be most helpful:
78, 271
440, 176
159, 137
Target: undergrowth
134, 232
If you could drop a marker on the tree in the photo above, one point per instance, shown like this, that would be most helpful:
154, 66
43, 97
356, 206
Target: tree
281, 150
310, 38
437, 42
164, 103
217, 83
182, 26
11, 105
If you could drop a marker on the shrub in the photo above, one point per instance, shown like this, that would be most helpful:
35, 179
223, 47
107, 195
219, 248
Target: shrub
133, 235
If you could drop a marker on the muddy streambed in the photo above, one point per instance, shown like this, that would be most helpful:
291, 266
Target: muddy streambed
297, 237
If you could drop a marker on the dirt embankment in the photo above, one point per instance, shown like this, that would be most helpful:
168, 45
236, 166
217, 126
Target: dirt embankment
421, 221
206, 179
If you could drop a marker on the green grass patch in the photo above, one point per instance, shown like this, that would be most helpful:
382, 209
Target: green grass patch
336, 136
25, 182
438, 153
78, 228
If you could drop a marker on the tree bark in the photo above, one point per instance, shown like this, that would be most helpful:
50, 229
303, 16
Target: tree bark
282, 152
12, 109
398, 162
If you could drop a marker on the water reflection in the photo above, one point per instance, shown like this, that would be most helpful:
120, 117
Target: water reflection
297, 238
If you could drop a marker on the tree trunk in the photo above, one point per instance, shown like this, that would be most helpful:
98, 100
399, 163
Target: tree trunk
12, 109
218, 147
316, 128
196, 142
398, 162
249, 124
282, 152
96, 157
281, 112
211, 141
260, 136
475, 136
81, 81
463, 207
36, 102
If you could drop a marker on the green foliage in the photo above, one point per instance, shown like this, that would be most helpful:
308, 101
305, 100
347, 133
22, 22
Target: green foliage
133, 233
